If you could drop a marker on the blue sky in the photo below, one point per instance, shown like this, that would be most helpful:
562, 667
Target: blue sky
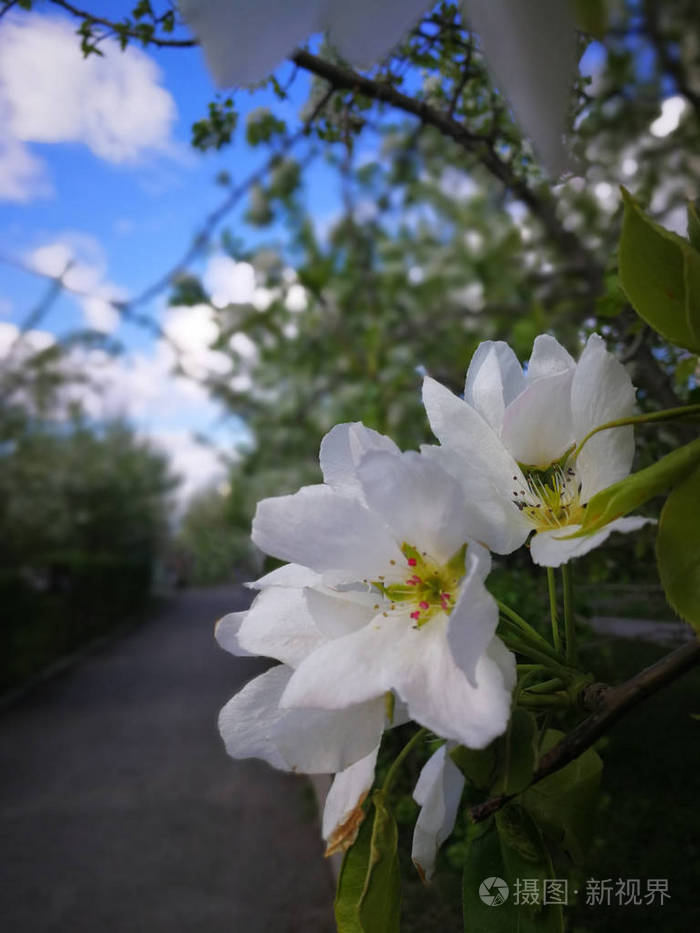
97, 168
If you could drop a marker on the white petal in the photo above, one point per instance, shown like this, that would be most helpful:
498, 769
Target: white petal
341, 451
602, 391
481, 463
548, 358
278, 625
287, 575
537, 426
311, 741
440, 696
474, 619
390, 653
355, 668
438, 791
494, 378
421, 503
365, 31
531, 50
244, 41
335, 616
347, 792
226, 633
549, 550
324, 530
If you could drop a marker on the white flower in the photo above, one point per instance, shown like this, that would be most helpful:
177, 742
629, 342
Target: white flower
438, 792
309, 741
389, 536
530, 47
511, 439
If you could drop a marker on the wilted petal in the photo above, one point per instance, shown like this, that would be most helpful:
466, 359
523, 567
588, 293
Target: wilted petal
324, 530
531, 50
279, 625
244, 41
341, 451
226, 633
438, 792
421, 503
311, 741
537, 426
494, 378
602, 391
474, 619
343, 813
549, 550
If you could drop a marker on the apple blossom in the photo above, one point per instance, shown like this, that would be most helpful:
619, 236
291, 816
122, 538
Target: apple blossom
417, 618
512, 441
529, 47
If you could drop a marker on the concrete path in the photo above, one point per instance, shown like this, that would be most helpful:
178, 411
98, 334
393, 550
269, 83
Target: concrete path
120, 811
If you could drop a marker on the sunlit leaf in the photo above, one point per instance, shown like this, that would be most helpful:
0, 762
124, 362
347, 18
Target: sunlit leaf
660, 273
633, 491
678, 549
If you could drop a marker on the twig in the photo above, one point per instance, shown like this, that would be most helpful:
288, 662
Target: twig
609, 704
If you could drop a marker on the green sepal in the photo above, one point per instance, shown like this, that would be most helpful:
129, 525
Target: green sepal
455, 565
660, 274
477, 765
368, 898
637, 488
678, 549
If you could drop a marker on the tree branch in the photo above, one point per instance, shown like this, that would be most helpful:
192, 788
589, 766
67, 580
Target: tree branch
541, 205
119, 28
609, 704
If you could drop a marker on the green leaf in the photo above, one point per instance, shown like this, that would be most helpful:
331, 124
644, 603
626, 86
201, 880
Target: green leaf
369, 886
678, 549
660, 274
477, 765
518, 754
693, 226
508, 847
564, 803
629, 493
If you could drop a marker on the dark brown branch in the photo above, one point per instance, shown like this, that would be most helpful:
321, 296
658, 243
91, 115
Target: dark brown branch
609, 703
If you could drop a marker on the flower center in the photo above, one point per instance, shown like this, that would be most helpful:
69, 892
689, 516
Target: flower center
552, 497
429, 587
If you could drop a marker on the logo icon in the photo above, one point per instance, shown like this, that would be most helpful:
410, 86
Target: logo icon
493, 891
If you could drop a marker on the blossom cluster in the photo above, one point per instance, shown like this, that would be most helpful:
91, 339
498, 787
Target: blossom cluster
381, 614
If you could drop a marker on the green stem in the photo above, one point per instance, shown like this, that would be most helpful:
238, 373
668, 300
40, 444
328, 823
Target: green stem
525, 629
547, 686
668, 414
569, 622
552, 587
546, 700
535, 654
400, 758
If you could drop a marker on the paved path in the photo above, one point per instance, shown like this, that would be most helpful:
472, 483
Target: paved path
120, 812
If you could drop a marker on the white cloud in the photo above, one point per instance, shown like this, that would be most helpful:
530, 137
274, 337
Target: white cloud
22, 175
114, 103
79, 261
